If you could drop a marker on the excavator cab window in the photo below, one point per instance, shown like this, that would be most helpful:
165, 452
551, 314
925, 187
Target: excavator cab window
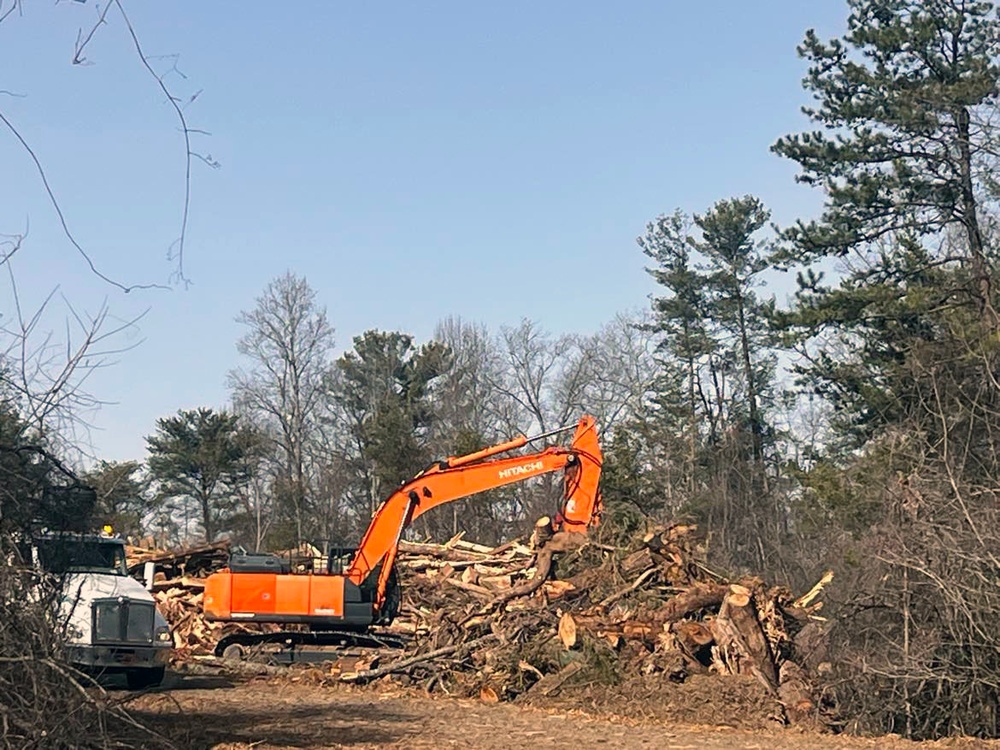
338, 560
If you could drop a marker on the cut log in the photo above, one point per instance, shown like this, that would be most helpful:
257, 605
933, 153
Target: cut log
693, 634
542, 533
441, 552
738, 624
482, 549
693, 640
739, 596
698, 597
470, 575
796, 694
639, 631
557, 589
637, 562
811, 644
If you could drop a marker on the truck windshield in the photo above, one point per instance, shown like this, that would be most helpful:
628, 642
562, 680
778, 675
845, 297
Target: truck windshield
81, 556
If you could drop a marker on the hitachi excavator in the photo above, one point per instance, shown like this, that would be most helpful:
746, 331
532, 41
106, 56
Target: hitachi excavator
340, 605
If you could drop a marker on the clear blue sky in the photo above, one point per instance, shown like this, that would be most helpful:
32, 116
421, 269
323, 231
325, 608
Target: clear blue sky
413, 160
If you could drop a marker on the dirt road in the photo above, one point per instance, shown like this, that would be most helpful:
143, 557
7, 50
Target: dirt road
214, 712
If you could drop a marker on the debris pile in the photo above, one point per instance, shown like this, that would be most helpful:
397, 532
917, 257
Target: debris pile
536, 618
172, 565
496, 623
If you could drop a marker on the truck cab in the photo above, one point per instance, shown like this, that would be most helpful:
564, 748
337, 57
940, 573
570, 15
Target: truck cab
112, 624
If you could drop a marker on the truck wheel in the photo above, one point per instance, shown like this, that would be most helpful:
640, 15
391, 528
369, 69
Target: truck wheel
139, 679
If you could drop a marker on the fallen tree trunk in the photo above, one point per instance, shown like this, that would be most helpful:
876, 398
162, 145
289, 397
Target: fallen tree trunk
562, 541
398, 666
700, 596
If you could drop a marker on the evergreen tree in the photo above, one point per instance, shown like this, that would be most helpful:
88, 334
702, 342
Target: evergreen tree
196, 457
686, 345
121, 494
904, 345
717, 375
734, 264
905, 146
383, 391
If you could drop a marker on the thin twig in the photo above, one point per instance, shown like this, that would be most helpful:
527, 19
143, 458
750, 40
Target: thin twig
179, 244
62, 219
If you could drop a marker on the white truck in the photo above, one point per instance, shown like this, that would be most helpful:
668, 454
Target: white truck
111, 621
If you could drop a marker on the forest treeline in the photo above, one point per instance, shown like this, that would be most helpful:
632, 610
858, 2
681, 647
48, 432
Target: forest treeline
854, 426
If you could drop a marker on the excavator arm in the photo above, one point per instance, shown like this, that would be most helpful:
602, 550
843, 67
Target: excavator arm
460, 476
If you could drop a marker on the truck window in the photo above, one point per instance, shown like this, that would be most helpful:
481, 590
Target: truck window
76, 556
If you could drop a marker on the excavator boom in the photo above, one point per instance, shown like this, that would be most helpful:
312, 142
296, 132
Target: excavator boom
459, 477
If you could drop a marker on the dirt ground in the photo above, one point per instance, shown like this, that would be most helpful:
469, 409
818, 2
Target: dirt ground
225, 714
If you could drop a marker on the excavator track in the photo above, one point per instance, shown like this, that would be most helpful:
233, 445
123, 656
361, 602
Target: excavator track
237, 645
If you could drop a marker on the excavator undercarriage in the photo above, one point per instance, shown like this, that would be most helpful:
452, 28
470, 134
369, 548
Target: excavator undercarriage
244, 645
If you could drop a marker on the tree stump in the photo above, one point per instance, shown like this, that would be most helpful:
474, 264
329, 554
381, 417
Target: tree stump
737, 625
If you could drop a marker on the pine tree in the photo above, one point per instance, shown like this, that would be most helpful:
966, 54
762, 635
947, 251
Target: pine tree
196, 457
904, 149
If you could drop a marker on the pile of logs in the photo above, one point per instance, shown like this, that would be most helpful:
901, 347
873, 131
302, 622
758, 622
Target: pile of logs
538, 615
497, 622
173, 565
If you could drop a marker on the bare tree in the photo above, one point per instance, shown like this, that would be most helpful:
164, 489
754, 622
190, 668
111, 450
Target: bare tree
44, 374
178, 105
534, 361
610, 374
465, 396
288, 342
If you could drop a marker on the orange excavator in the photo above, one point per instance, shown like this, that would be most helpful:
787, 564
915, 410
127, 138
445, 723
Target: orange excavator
339, 605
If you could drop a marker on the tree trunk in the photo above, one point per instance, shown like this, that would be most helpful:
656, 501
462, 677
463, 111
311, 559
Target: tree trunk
205, 501
756, 430
970, 219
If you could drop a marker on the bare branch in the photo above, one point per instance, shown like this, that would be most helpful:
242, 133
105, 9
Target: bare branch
177, 248
15, 5
62, 218
82, 41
